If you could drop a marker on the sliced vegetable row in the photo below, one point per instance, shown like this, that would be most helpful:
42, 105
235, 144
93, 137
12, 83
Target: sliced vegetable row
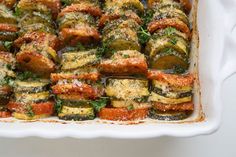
168, 50
77, 84
8, 33
36, 57
128, 94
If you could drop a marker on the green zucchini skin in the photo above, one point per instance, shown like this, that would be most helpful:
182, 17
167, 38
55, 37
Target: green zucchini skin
31, 89
170, 62
179, 95
76, 117
165, 116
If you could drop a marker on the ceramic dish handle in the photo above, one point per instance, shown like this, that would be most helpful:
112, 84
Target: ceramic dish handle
229, 56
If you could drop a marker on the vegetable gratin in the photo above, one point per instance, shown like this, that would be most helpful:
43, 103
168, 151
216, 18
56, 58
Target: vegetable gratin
118, 60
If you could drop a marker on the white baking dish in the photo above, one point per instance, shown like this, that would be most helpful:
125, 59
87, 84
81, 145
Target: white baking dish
216, 62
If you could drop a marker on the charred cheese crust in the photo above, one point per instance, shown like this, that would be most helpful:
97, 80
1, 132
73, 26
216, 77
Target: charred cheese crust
127, 89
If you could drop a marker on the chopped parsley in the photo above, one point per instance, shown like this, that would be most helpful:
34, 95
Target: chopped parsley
130, 107
169, 31
58, 105
26, 75
173, 41
8, 45
29, 111
99, 104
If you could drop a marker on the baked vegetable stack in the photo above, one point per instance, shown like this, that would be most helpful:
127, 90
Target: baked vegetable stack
168, 50
37, 40
169, 46
8, 33
7, 65
36, 58
128, 94
77, 84
31, 98
8, 27
171, 96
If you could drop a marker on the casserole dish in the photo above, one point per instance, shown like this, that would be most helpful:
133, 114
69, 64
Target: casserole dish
211, 60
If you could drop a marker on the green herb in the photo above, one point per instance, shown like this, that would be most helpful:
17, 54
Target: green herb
178, 69
99, 104
66, 2
102, 50
7, 81
9, 66
147, 16
169, 31
17, 12
142, 99
80, 47
126, 56
29, 111
58, 105
8, 45
173, 41
26, 75
130, 107
143, 35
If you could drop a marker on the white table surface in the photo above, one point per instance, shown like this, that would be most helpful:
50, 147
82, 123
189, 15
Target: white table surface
221, 143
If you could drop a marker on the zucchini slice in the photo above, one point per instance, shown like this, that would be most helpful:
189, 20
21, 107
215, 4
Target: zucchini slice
120, 24
35, 17
168, 116
71, 19
73, 60
122, 39
156, 45
6, 15
36, 27
166, 87
69, 2
76, 113
23, 116
170, 61
47, 7
154, 97
170, 94
31, 86
127, 89
134, 5
32, 97
170, 32
130, 104
170, 12
8, 36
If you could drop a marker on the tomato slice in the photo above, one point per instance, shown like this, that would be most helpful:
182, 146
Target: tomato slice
175, 80
83, 7
5, 114
46, 108
189, 106
169, 22
124, 66
123, 114
8, 27
55, 77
